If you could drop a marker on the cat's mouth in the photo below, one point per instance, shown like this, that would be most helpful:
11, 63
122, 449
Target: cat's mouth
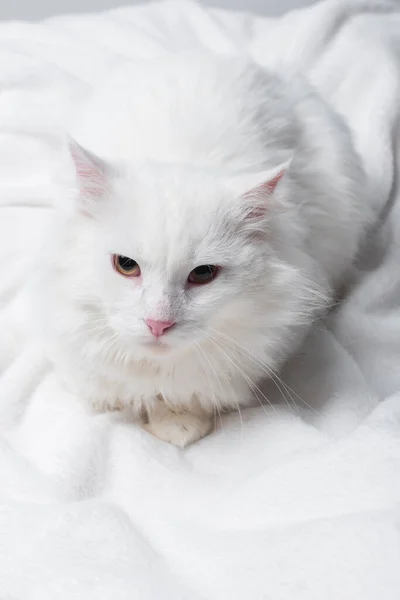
165, 344
157, 345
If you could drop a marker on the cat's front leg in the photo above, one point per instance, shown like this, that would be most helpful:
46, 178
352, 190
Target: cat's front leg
178, 426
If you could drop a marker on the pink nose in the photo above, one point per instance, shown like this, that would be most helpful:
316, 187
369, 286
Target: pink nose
158, 328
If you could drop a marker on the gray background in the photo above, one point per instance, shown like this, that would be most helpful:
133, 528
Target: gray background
37, 9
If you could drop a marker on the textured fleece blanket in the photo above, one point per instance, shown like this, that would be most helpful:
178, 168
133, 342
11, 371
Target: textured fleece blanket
296, 502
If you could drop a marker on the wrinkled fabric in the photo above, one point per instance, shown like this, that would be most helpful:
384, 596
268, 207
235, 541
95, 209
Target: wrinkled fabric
297, 501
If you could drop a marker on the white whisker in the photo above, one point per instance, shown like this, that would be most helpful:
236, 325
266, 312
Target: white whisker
210, 383
231, 386
246, 377
269, 372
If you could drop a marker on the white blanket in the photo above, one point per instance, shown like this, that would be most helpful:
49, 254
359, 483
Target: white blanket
292, 503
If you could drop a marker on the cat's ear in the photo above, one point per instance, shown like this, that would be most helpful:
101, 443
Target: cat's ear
256, 189
93, 176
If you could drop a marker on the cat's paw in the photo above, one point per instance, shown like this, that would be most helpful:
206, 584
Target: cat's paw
178, 428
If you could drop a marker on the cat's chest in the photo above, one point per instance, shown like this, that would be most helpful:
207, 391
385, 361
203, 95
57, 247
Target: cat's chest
144, 379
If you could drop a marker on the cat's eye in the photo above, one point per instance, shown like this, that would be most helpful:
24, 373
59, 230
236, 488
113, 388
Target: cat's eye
203, 274
126, 266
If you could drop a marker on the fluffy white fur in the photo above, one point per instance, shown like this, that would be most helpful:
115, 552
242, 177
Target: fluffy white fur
179, 152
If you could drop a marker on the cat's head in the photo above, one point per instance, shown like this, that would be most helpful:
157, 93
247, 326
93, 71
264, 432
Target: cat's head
169, 254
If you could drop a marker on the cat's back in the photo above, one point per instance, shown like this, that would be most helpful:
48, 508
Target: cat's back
199, 108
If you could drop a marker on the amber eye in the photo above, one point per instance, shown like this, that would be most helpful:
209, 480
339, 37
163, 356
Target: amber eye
126, 266
203, 274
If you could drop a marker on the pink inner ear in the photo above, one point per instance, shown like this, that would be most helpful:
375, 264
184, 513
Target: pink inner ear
269, 186
90, 171
262, 193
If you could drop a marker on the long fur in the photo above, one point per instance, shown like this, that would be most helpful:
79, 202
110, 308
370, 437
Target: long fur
181, 149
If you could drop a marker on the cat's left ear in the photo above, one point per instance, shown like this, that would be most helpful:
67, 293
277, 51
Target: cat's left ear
256, 189
93, 176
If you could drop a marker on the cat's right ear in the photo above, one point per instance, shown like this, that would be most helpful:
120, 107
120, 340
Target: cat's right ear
92, 175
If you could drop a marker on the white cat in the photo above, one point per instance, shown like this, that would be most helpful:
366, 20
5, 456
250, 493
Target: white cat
216, 209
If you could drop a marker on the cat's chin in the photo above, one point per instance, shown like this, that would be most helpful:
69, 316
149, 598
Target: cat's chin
156, 348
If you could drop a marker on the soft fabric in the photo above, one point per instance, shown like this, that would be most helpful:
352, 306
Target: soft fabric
291, 502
